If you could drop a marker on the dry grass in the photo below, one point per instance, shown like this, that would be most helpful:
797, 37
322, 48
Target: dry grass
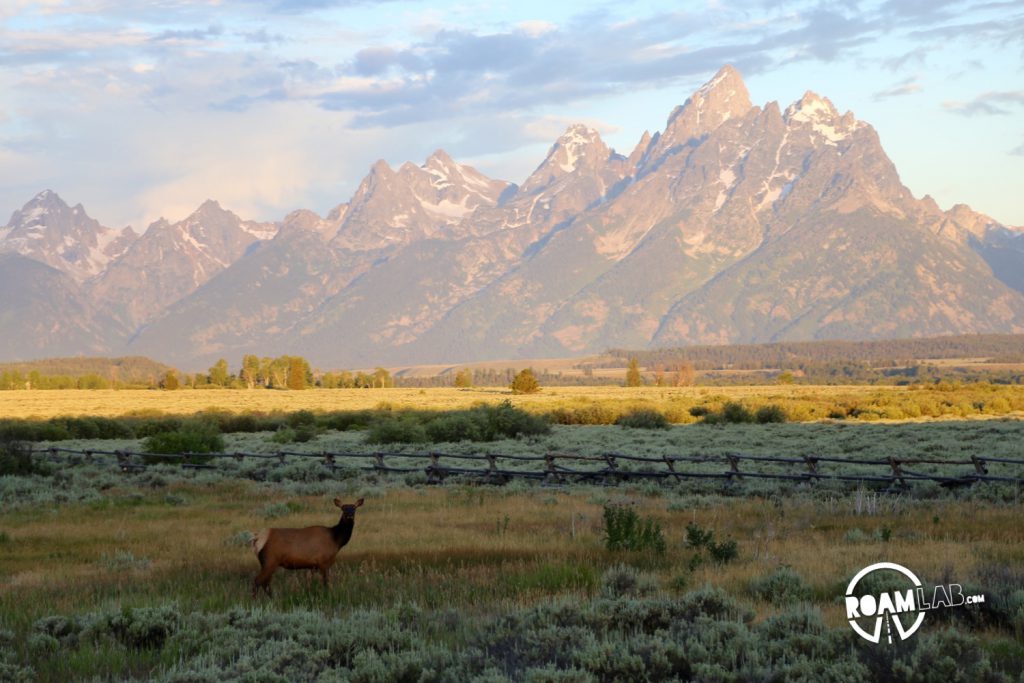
464, 548
111, 403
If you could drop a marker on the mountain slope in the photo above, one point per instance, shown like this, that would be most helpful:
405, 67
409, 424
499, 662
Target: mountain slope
44, 313
736, 223
171, 260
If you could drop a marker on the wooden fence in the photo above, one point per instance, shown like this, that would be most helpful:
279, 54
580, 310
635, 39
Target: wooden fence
609, 468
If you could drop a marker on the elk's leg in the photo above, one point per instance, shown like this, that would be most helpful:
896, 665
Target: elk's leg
324, 570
263, 579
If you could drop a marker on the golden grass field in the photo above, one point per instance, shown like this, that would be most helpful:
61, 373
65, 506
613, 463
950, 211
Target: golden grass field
568, 405
462, 548
112, 403
165, 537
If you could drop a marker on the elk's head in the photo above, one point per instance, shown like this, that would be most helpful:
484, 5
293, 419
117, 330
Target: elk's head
348, 510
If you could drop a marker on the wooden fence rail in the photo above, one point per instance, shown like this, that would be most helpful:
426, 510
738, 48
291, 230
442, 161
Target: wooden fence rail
559, 467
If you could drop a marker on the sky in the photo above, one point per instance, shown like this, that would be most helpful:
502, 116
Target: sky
141, 109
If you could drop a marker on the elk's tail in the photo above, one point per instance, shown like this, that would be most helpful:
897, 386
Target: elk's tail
259, 540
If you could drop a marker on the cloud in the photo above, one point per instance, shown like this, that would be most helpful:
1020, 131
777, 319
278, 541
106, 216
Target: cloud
908, 86
1018, 150
262, 37
990, 104
407, 80
199, 34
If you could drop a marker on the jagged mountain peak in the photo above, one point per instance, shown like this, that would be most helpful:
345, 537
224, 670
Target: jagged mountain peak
392, 209
822, 117
47, 196
723, 97
48, 230
579, 149
734, 223
723, 87
812, 107
439, 157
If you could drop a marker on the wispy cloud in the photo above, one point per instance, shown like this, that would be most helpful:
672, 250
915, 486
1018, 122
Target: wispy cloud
908, 86
989, 104
196, 34
409, 74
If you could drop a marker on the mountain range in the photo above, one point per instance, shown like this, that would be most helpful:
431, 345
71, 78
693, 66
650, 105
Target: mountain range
734, 224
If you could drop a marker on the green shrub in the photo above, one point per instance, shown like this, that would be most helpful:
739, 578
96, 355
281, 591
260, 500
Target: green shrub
273, 510
699, 411
300, 434
346, 421
506, 420
242, 539
625, 530
721, 552
643, 418
697, 537
196, 437
122, 560
782, 586
301, 418
736, 413
770, 413
623, 581
591, 414
396, 430
456, 427
16, 459
248, 423
31, 430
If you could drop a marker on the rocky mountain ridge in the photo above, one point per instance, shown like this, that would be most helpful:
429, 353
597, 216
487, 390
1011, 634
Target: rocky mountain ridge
736, 223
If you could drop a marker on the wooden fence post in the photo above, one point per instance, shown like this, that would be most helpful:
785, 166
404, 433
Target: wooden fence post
551, 474
734, 467
613, 469
979, 465
434, 475
897, 471
671, 467
812, 467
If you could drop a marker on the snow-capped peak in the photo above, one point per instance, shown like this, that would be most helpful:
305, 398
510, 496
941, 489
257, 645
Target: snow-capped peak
822, 116
812, 108
575, 142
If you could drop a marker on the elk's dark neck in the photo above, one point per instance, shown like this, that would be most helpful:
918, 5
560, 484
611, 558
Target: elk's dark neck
342, 531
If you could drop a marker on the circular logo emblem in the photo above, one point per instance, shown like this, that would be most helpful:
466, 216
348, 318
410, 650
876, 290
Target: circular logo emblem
892, 608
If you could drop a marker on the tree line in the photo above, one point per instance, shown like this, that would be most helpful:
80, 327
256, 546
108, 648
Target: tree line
1002, 348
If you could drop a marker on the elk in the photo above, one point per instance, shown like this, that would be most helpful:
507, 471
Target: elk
313, 548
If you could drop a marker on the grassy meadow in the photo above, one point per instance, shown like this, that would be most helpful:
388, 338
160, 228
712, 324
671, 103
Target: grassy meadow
802, 403
107, 575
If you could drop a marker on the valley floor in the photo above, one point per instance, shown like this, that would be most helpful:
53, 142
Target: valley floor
147, 575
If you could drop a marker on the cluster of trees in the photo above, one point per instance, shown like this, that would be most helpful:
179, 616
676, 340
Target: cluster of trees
129, 372
679, 374
15, 379
283, 372
881, 353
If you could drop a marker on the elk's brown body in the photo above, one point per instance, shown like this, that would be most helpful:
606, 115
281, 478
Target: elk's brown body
314, 547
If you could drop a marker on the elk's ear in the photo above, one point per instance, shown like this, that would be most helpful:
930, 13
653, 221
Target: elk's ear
337, 501
359, 502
